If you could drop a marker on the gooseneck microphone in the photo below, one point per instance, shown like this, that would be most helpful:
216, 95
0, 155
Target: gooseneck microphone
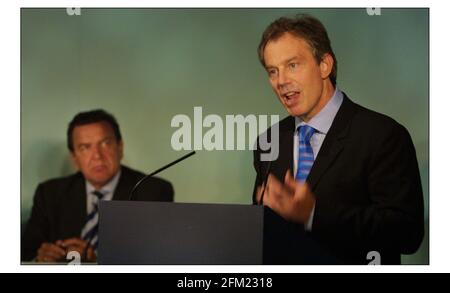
156, 172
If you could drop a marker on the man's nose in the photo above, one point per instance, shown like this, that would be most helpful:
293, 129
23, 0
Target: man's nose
283, 79
97, 152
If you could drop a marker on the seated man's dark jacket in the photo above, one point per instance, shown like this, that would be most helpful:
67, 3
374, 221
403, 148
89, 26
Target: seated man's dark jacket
366, 182
59, 208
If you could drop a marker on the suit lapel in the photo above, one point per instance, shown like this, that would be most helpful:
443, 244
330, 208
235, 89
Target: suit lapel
75, 213
286, 144
334, 142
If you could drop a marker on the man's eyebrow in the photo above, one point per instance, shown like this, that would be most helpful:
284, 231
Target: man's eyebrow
292, 59
284, 62
83, 144
109, 137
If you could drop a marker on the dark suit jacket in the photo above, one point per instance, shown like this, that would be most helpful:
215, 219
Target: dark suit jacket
366, 182
59, 209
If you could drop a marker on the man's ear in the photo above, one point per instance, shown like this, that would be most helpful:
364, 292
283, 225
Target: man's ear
326, 66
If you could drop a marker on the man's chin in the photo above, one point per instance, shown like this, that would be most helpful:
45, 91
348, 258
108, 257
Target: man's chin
295, 111
100, 180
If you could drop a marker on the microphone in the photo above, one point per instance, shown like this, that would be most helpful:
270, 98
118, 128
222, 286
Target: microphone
156, 172
85, 251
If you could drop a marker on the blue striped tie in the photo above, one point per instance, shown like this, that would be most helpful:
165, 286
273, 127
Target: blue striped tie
305, 153
90, 230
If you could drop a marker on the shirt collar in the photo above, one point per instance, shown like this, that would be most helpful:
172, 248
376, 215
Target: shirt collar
108, 189
322, 121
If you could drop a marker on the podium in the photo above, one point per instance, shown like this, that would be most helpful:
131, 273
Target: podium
132, 232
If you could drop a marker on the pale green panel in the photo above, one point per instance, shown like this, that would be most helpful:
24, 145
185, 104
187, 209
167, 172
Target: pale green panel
145, 66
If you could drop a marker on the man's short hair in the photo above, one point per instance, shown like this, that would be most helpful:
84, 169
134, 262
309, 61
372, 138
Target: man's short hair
89, 117
306, 27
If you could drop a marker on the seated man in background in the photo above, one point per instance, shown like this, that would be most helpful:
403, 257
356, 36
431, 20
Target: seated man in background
64, 217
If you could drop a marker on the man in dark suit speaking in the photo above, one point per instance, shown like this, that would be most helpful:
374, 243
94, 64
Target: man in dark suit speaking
64, 217
348, 175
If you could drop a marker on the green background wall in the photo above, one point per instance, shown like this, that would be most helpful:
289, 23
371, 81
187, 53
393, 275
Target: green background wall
147, 65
